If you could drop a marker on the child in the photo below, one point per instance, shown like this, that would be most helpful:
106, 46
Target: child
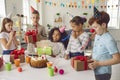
36, 26
105, 51
7, 36
57, 46
78, 39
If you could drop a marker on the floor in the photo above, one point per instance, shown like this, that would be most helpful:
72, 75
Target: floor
115, 68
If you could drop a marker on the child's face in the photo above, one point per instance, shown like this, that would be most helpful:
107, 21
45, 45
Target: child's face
9, 26
56, 36
35, 18
99, 29
75, 27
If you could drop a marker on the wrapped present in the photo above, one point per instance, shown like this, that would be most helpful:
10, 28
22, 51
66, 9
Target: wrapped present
80, 63
1, 61
17, 54
31, 36
43, 43
44, 50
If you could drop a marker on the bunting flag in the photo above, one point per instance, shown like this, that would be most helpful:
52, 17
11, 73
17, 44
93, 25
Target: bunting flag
80, 4
38, 1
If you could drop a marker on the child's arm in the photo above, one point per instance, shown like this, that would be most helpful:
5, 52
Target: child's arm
8, 43
115, 60
15, 41
68, 49
83, 43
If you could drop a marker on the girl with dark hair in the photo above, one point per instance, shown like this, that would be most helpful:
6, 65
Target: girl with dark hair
55, 36
78, 38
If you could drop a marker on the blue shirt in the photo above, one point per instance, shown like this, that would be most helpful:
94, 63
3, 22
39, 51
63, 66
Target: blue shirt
104, 47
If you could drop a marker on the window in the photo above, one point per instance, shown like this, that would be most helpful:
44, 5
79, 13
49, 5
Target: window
3, 10
113, 8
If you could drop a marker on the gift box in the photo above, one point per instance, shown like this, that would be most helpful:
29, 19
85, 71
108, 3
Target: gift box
45, 50
79, 63
1, 61
17, 54
32, 36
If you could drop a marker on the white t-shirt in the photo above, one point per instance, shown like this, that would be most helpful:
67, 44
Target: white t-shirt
6, 36
58, 49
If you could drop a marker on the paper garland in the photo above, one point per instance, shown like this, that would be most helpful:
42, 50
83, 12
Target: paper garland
80, 4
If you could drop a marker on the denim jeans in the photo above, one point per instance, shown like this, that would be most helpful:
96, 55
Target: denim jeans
103, 76
7, 52
76, 54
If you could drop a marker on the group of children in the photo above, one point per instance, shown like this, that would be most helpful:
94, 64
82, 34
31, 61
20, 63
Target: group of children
105, 51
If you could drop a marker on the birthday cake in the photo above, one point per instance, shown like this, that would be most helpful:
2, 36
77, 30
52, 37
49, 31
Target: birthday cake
38, 62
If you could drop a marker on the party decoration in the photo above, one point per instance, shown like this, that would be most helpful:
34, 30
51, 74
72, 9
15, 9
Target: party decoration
62, 29
92, 30
93, 1
37, 1
96, 13
32, 9
61, 71
83, 3
88, 2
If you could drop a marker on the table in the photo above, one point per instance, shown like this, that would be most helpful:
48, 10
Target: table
30, 73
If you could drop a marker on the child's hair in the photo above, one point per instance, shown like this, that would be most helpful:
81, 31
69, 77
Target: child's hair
51, 33
78, 20
35, 12
5, 21
103, 18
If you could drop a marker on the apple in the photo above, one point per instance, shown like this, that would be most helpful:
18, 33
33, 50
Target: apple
19, 69
55, 69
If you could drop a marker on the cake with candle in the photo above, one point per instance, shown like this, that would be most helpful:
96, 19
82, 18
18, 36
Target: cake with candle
38, 62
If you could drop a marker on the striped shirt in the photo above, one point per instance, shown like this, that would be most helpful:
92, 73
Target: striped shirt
78, 44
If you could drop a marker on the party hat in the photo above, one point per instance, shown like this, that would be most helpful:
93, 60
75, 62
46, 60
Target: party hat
62, 29
96, 13
32, 9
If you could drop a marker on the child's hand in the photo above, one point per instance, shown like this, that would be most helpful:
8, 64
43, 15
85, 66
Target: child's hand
93, 64
67, 56
11, 34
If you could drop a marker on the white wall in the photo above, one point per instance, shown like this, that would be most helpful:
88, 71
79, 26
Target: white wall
14, 6
50, 11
